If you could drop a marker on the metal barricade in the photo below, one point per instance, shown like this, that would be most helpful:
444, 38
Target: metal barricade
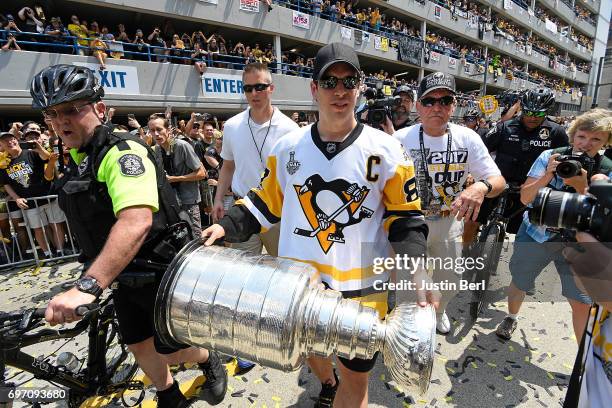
34, 235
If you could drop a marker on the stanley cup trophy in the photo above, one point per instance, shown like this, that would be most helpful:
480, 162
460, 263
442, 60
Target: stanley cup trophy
273, 312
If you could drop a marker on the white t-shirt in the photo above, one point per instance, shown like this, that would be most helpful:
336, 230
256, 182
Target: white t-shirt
596, 389
249, 148
468, 154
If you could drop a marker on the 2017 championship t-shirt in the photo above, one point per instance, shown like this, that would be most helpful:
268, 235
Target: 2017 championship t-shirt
467, 154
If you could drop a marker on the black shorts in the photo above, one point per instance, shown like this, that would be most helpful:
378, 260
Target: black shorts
135, 308
358, 364
512, 205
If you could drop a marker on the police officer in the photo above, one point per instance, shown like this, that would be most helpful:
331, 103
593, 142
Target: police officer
120, 208
516, 144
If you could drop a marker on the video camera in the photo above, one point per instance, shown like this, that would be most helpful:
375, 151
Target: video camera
378, 105
571, 165
589, 213
509, 97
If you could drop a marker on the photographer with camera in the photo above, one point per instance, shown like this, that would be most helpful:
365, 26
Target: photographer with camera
516, 144
579, 163
23, 178
11, 43
591, 263
400, 114
377, 110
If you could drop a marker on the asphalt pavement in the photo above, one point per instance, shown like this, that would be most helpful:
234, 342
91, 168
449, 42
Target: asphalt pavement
473, 368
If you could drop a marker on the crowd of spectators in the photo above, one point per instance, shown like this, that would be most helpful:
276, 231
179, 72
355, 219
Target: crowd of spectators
165, 44
581, 39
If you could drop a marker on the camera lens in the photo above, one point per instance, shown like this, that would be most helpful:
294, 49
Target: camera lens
378, 116
569, 168
561, 210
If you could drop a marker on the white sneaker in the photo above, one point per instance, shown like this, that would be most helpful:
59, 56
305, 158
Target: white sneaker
443, 324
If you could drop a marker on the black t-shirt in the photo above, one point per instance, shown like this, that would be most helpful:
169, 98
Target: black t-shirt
212, 152
516, 148
26, 175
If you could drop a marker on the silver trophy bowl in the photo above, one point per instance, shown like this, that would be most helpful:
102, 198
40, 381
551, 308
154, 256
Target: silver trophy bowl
272, 311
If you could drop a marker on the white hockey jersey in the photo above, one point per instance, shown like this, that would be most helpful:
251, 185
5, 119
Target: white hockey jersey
337, 202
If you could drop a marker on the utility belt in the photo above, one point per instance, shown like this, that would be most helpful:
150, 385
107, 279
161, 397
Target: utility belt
135, 280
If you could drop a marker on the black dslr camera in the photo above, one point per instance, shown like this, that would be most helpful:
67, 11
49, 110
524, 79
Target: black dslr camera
378, 105
589, 213
571, 164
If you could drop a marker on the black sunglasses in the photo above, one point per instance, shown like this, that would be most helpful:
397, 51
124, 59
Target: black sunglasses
444, 101
257, 87
195, 126
350, 82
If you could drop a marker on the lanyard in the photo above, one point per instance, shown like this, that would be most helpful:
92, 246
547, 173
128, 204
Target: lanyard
428, 180
259, 151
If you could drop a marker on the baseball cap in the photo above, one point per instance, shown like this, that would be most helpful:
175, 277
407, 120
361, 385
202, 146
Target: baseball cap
404, 89
331, 54
6, 134
437, 80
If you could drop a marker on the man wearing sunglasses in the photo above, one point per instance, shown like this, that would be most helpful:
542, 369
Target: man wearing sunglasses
472, 120
336, 185
248, 139
444, 154
517, 143
122, 212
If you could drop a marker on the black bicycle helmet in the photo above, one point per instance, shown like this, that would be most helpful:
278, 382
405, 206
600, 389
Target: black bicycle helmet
471, 113
538, 100
64, 83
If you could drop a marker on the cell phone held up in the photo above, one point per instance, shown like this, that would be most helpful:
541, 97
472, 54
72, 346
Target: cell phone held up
27, 145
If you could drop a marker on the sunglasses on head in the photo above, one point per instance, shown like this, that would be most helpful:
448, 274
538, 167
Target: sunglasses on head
444, 101
535, 114
195, 126
350, 82
257, 87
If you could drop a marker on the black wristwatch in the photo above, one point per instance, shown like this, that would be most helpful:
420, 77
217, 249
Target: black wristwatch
89, 285
489, 186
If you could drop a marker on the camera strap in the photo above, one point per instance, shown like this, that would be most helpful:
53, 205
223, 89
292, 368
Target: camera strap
428, 181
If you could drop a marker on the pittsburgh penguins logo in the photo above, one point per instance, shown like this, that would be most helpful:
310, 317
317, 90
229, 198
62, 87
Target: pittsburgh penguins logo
448, 191
330, 206
544, 133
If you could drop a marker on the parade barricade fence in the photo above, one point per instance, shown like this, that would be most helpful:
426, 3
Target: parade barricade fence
34, 235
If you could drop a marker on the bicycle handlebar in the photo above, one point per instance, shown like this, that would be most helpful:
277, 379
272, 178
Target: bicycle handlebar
16, 324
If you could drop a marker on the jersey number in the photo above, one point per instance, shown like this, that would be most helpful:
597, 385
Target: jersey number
372, 161
411, 191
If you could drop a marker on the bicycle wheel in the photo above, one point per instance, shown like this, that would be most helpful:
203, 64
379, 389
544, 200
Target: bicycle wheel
120, 363
489, 247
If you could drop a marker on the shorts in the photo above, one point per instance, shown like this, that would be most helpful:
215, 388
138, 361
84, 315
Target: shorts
206, 192
513, 204
377, 301
530, 258
135, 308
38, 217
